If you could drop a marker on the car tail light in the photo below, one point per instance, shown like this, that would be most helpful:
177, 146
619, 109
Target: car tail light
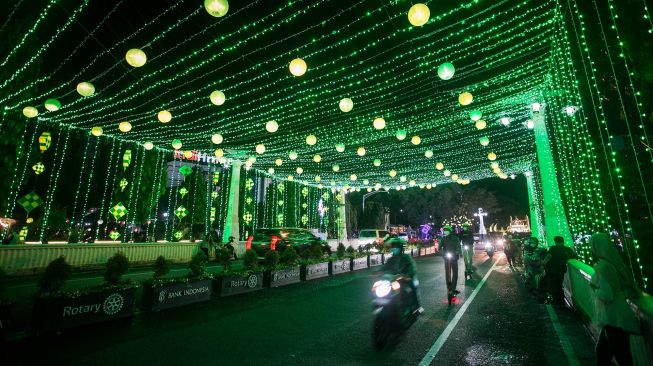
248, 244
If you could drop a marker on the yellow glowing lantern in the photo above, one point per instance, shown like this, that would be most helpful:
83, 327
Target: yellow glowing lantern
416, 140
454, 177
270, 170
346, 104
216, 138
85, 89
480, 124
292, 155
30, 112
125, 126
340, 147
439, 166
218, 153
360, 151
335, 167
379, 123
419, 14
188, 154
428, 153
148, 145
260, 149
465, 98
271, 126
299, 170
176, 144
402, 178
135, 57
492, 156
353, 177
216, 8
297, 67
278, 162
317, 178
494, 165
412, 183
311, 140
96, 131
447, 173
217, 97
164, 116
317, 158
392, 173
290, 178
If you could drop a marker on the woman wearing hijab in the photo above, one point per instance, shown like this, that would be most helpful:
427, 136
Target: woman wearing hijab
612, 283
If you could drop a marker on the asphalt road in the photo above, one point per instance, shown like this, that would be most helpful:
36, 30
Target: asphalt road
327, 322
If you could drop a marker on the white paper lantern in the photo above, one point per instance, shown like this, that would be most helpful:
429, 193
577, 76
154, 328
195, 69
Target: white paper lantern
217, 97
216, 138
392, 173
124, 126
428, 153
299, 170
85, 89
292, 155
30, 112
271, 126
346, 104
311, 140
164, 116
270, 170
297, 67
353, 177
360, 151
379, 123
377, 162
148, 145
340, 147
278, 162
317, 158
335, 167
136, 57
447, 173
260, 149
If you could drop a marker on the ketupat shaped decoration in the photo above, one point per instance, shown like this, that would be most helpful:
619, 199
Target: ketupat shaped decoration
304, 219
249, 200
22, 234
216, 177
280, 219
126, 159
249, 183
248, 217
214, 194
304, 191
179, 234
123, 184
45, 140
185, 170
183, 191
118, 211
181, 212
213, 210
38, 168
114, 235
30, 201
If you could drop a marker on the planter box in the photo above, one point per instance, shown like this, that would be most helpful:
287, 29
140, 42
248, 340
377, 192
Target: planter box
234, 285
430, 250
175, 294
56, 313
414, 252
282, 277
422, 251
313, 271
358, 263
386, 257
340, 266
374, 260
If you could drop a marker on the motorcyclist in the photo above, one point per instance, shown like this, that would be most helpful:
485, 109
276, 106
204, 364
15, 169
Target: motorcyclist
467, 240
450, 249
402, 264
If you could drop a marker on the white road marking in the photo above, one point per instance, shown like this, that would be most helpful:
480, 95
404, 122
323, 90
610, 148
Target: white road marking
562, 336
430, 355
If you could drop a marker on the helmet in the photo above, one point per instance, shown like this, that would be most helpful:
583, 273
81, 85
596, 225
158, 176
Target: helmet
447, 228
395, 242
466, 226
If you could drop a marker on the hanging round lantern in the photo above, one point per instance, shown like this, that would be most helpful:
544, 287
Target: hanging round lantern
125, 126
346, 104
475, 115
278, 162
188, 154
428, 153
392, 173
317, 158
366, 181
271, 126
429, 186
360, 151
400, 134
297, 67
148, 145
30, 112
164, 116
353, 177
217, 97
260, 149
505, 121
96, 131
480, 124
292, 155
379, 123
412, 183
52, 105
484, 141
85, 89
290, 178
447, 173
216, 138
446, 71
416, 140
340, 147
465, 98
311, 140
335, 167
216, 8
492, 156
218, 153
402, 178
419, 14
270, 170
135, 57
439, 166
454, 177
377, 162
494, 165
299, 170
176, 144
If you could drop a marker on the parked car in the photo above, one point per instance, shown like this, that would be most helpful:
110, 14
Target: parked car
279, 239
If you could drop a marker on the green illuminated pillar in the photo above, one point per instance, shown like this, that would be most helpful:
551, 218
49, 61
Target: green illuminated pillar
231, 222
533, 202
342, 219
555, 220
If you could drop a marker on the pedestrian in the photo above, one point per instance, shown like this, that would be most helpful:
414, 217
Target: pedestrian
612, 283
509, 250
519, 251
534, 268
555, 266
450, 249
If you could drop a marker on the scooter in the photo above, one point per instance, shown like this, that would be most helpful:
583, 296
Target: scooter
468, 255
392, 308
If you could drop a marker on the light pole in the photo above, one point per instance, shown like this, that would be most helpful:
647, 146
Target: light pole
370, 194
481, 230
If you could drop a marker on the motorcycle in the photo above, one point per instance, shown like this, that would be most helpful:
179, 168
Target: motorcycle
392, 308
489, 248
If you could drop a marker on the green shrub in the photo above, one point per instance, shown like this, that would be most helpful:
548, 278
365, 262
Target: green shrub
316, 252
54, 276
289, 256
197, 265
340, 252
351, 252
161, 267
223, 257
272, 258
117, 266
250, 259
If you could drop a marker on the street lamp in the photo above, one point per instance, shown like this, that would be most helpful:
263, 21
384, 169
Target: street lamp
370, 194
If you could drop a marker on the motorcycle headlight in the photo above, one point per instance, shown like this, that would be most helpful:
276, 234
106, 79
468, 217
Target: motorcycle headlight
466, 247
488, 246
449, 255
382, 288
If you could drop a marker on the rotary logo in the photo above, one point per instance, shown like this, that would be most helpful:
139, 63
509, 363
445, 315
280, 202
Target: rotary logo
113, 304
252, 281
162, 295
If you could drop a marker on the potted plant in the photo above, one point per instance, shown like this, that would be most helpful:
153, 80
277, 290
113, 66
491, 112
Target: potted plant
341, 263
282, 270
5, 303
230, 282
163, 293
314, 264
56, 308
358, 258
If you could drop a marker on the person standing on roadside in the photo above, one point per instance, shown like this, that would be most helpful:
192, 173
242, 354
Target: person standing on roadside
612, 283
509, 250
555, 266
